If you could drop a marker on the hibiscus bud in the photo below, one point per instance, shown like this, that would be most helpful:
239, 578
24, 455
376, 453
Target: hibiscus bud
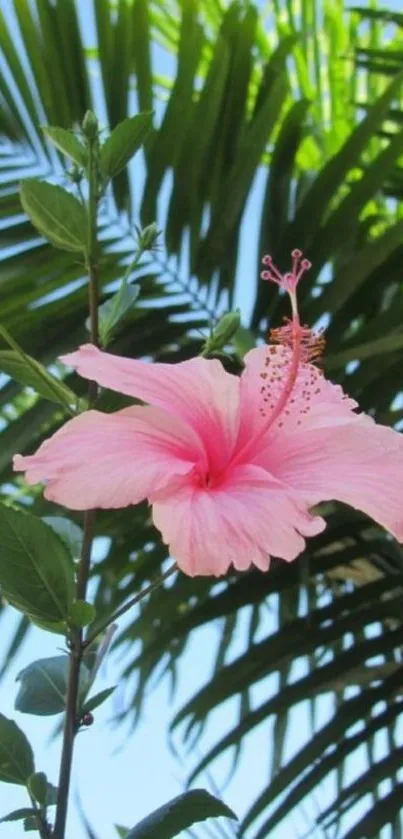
223, 332
90, 125
147, 237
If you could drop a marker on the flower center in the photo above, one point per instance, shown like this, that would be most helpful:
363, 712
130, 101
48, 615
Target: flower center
206, 479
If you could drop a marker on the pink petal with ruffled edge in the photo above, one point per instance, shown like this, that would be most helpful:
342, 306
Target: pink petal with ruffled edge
359, 463
241, 522
112, 460
200, 392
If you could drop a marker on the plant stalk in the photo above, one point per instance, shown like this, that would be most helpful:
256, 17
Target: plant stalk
129, 605
77, 647
43, 828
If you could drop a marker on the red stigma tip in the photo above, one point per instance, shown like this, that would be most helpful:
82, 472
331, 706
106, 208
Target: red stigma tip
290, 280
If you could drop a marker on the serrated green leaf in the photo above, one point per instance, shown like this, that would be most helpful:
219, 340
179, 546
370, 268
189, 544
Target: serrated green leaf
56, 214
29, 372
180, 814
36, 570
16, 757
68, 143
43, 686
123, 143
82, 613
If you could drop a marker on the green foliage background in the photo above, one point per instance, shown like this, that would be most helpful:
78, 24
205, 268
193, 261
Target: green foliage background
308, 95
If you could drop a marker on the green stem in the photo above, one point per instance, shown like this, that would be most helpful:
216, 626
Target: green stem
77, 647
43, 828
129, 605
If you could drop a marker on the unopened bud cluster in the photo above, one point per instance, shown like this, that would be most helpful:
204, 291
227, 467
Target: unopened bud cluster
147, 237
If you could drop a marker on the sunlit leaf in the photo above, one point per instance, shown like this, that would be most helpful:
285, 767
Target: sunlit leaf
67, 143
56, 214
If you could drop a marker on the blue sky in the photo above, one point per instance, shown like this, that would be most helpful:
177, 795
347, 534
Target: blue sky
121, 778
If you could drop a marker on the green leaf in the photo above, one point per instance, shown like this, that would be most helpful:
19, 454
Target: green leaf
38, 787
360, 352
36, 571
243, 341
16, 757
123, 143
82, 613
223, 332
70, 533
67, 143
43, 686
29, 372
121, 831
96, 700
51, 795
57, 215
31, 823
310, 214
17, 815
43, 791
113, 311
179, 814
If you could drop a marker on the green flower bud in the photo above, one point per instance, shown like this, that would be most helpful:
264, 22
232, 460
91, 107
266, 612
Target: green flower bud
147, 238
90, 125
223, 332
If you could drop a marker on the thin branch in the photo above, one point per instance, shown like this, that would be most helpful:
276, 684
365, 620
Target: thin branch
77, 648
129, 605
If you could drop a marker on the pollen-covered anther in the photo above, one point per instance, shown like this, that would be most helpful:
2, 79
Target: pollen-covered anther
311, 344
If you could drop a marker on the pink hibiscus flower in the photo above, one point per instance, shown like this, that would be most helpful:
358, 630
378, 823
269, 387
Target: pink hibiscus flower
232, 466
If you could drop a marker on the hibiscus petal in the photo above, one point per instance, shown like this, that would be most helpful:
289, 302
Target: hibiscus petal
313, 398
241, 522
112, 460
358, 462
199, 392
